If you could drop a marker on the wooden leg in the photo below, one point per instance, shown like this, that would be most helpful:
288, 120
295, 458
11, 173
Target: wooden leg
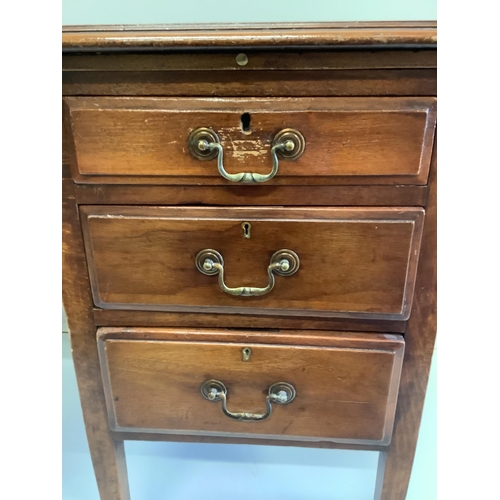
395, 466
382, 459
108, 456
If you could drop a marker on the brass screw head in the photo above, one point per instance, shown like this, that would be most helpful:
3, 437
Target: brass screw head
203, 145
285, 265
241, 59
208, 265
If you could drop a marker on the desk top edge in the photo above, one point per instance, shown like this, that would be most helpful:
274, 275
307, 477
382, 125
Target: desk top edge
218, 36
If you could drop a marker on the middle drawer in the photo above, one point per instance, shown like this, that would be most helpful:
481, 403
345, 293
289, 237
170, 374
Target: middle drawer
334, 262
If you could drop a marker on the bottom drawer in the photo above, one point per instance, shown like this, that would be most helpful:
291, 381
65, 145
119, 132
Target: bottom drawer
290, 385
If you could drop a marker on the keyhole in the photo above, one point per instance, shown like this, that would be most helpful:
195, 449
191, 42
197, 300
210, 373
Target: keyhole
246, 353
246, 226
245, 123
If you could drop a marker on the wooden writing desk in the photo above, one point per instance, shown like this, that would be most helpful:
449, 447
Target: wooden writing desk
249, 236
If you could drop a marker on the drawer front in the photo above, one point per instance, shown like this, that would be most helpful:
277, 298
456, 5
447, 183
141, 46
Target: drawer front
341, 262
345, 385
346, 140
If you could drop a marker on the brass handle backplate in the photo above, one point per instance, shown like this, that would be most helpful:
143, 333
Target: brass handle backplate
283, 262
280, 393
204, 144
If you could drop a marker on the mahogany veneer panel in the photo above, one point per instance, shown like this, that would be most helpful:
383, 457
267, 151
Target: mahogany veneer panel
357, 140
357, 262
346, 384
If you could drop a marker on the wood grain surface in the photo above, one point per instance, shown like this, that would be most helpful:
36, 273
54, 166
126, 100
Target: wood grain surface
181, 438
249, 35
257, 60
283, 321
346, 385
395, 466
380, 141
107, 451
363, 95
261, 195
285, 83
358, 262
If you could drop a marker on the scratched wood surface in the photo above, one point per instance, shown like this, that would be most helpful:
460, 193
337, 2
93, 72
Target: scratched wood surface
203, 319
346, 385
256, 60
252, 195
238, 35
109, 65
106, 451
285, 83
379, 141
395, 466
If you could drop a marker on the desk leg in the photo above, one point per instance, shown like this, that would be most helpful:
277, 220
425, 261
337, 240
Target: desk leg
395, 465
108, 456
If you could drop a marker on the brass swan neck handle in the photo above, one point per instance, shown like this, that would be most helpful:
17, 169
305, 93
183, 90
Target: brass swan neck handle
283, 262
204, 144
280, 393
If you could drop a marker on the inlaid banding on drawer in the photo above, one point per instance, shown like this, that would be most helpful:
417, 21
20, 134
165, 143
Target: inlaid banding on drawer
352, 262
347, 140
345, 385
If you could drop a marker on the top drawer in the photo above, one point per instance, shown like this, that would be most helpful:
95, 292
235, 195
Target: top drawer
340, 140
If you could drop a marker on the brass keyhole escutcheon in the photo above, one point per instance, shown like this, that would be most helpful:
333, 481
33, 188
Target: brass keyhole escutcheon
246, 226
246, 353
